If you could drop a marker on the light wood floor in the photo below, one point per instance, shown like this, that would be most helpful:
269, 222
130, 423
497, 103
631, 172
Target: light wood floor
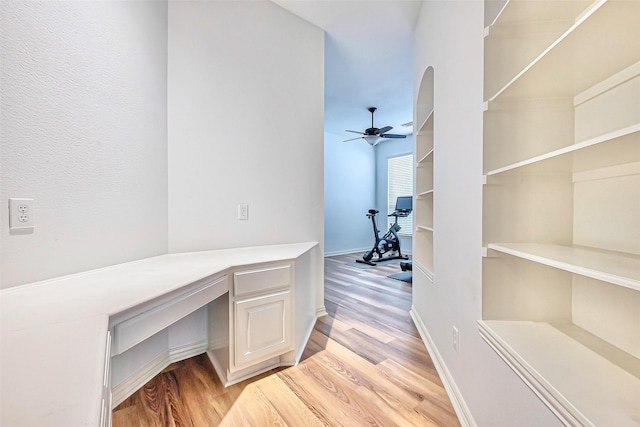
365, 365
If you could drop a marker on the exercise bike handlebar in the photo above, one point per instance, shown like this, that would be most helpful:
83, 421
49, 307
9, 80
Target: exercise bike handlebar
401, 213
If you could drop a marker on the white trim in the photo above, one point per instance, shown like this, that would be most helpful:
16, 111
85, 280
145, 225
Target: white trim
560, 407
600, 139
357, 251
139, 378
459, 405
617, 79
186, 351
230, 378
321, 311
346, 251
142, 376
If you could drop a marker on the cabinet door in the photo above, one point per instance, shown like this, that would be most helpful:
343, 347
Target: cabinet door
263, 327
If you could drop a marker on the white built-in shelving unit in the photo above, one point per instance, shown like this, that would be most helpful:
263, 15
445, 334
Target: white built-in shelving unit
561, 220
423, 206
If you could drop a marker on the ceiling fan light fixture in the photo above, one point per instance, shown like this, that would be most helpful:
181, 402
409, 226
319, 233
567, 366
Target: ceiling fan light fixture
373, 135
372, 139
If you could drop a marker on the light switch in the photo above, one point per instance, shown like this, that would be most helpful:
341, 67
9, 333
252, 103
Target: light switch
243, 211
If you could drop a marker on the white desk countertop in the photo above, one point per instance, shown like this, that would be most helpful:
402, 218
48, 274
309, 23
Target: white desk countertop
53, 332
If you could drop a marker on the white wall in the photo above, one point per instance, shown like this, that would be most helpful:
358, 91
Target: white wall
449, 37
349, 192
83, 131
245, 125
246, 101
384, 151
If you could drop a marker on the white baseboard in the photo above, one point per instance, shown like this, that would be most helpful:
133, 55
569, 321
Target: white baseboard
132, 384
186, 351
129, 386
230, 378
346, 251
459, 405
358, 251
321, 311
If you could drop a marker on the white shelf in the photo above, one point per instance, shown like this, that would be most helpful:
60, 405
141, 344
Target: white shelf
613, 267
517, 12
563, 158
427, 124
423, 170
562, 164
425, 193
426, 157
521, 32
582, 56
579, 385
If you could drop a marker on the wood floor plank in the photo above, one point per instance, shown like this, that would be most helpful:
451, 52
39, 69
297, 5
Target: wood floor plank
399, 415
255, 408
364, 365
365, 346
346, 309
427, 390
436, 413
375, 299
129, 416
288, 405
368, 329
195, 380
343, 397
315, 392
364, 373
177, 412
335, 323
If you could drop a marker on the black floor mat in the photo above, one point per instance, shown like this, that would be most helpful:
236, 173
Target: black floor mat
404, 276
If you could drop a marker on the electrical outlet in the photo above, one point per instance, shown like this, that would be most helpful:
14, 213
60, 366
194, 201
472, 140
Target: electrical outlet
243, 211
21, 214
456, 340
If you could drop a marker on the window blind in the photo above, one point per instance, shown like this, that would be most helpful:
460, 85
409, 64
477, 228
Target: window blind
400, 183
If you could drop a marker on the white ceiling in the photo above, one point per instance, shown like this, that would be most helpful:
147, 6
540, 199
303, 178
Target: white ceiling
368, 60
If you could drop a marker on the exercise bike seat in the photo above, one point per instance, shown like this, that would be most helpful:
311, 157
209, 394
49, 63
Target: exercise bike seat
373, 211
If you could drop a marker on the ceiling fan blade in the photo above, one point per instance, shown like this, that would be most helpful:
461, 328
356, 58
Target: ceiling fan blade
352, 139
355, 131
391, 135
384, 129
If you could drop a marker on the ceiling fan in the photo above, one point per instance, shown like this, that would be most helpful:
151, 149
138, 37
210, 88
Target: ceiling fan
374, 135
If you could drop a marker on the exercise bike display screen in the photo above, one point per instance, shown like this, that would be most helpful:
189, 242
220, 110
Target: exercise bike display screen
404, 203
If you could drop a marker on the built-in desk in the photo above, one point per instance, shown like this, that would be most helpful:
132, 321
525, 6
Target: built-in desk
56, 335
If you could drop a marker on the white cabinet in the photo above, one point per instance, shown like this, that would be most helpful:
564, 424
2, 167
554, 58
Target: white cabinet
561, 220
252, 330
262, 327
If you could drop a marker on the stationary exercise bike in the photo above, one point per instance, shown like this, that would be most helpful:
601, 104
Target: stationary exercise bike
389, 243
